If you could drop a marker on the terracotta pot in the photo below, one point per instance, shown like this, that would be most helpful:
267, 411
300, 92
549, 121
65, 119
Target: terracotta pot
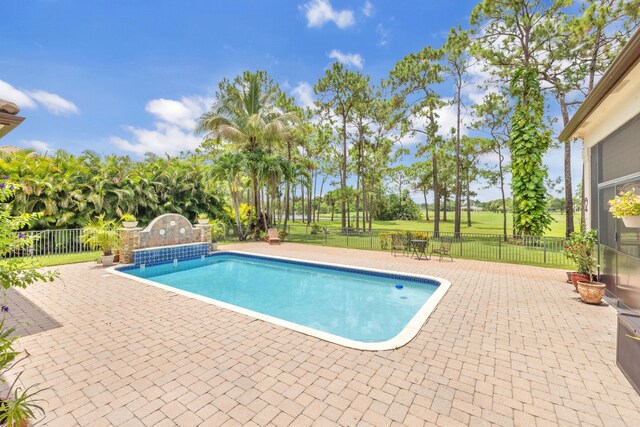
578, 276
203, 221
632, 221
129, 224
591, 293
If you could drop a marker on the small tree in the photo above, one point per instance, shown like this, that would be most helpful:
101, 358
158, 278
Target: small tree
17, 272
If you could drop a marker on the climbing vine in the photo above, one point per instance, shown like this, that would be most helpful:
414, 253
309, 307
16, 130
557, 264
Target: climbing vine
529, 142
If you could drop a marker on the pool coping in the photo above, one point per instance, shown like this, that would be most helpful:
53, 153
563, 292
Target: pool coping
402, 338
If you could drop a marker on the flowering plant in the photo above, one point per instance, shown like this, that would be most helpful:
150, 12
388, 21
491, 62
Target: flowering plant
625, 205
579, 249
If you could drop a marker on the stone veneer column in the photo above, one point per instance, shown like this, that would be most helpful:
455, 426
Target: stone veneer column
129, 241
205, 233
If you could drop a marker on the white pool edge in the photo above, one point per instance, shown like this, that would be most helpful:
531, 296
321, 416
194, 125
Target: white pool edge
402, 338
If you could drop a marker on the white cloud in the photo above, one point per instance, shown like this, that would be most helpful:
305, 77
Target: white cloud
368, 9
182, 113
303, 93
383, 35
38, 145
319, 12
349, 59
478, 83
56, 104
173, 130
32, 98
18, 97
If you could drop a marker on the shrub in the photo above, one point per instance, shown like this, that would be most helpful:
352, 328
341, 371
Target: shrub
128, 218
282, 234
316, 228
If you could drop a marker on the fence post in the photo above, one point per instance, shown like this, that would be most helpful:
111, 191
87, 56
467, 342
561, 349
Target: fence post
371, 240
500, 246
544, 245
460, 234
347, 237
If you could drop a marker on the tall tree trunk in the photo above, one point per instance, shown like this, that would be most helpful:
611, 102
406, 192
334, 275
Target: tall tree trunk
288, 187
371, 213
436, 193
302, 199
256, 202
426, 205
458, 197
469, 198
287, 191
502, 195
320, 198
358, 201
444, 208
343, 176
568, 186
333, 210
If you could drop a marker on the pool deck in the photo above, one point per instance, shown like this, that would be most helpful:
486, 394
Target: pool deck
507, 345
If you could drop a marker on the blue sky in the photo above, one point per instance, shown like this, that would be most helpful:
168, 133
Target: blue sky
130, 76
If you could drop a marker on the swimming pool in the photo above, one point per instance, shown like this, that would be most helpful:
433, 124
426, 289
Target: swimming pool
359, 308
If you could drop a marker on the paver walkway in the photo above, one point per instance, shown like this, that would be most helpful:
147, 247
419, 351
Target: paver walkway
508, 345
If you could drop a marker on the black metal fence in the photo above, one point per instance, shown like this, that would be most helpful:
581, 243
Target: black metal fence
534, 250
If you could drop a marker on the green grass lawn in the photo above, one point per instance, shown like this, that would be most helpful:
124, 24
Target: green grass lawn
482, 222
48, 261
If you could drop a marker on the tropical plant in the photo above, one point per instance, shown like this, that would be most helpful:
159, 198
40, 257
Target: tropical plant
625, 205
16, 404
203, 216
21, 271
580, 249
101, 234
128, 218
218, 229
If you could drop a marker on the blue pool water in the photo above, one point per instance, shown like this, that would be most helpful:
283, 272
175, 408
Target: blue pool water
362, 306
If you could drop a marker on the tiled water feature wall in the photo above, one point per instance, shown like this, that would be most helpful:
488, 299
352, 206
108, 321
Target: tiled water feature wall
172, 235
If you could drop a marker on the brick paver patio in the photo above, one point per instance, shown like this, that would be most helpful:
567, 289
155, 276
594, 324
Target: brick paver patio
508, 345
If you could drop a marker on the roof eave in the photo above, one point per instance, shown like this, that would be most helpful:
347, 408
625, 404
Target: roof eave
617, 71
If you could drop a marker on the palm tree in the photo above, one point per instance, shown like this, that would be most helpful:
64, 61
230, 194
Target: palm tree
229, 168
246, 115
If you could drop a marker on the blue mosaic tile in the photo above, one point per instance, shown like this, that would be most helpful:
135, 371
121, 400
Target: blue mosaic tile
168, 254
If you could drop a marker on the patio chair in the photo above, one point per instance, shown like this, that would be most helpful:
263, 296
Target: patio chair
397, 244
443, 250
272, 237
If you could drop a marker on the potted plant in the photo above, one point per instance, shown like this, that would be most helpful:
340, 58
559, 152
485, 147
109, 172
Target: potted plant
17, 406
128, 221
627, 207
101, 234
203, 219
579, 249
217, 232
282, 234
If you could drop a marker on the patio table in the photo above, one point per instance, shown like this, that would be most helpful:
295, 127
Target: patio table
419, 248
